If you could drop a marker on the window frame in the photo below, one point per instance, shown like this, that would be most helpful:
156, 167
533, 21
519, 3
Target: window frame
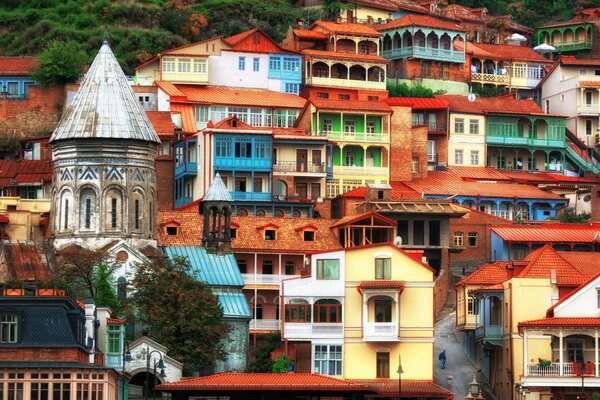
383, 268
459, 125
321, 272
9, 327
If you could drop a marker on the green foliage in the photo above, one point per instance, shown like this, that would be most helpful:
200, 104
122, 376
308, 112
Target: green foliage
61, 62
404, 90
570, 216
105, 292
488, 90
79, 267
596, 396
10, 145
262, 354
282, 364
180, 312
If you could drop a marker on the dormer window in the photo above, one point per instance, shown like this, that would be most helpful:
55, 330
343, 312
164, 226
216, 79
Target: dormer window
9, 328
309, 236
171, 230
270, 234
233, 233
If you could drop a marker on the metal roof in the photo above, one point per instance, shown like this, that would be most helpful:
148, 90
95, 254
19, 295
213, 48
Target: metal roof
214, 269
217, 190
234, 304
105, 106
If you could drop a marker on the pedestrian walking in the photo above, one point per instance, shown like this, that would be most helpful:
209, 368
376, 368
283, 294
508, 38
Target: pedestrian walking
442, 358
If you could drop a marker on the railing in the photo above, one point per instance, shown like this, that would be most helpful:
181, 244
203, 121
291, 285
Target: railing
355, 136
189, 77
380, 331
519, 215
589, 109
490, 78
294, 166
265, 324
262, 196
573, 45
265, 279
425, 52
436, 127
489, 331
543, 368
186, 168
355, 170
354, 83
295, 330
242, 162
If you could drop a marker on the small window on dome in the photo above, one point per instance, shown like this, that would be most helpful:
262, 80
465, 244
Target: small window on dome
270, 234
309, 236
171, 230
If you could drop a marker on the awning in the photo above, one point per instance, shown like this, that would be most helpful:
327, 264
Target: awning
4, 219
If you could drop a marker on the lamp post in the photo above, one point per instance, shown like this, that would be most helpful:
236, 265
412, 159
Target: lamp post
126, 358
160, 364
475, 391
400, 371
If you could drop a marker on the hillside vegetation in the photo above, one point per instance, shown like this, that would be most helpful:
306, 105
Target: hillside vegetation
138, 29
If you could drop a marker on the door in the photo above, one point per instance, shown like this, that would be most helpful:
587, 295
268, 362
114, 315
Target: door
301, 160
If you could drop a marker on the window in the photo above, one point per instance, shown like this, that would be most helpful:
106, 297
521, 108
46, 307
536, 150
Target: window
349, 126
372, 98
459, 125
267, 267
474, 127
383, 365
255, 64
322, 95
598, 297
184, 65
293, 88
289, 268
309, 236
275, 63
472, 239
349, 156
242, 63
113, 213
243, 150
328, 359
343, 97
113, 339
458, 156
547, 106
201, 113
474, 157
240, 184
27, 192
88, 213
242, 266
327, 125
269, 234
431, 151
414, 165
297, 312
199, 66
383, 310
328, 311
171, 230
258, 185
383, 268
168, 65
8, 329
583, 71
458, 239
328, 269
258, 311
370, 127
588, 127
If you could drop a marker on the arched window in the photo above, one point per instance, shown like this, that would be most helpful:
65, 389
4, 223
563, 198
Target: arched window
328, 310
113, 210
122, 288
136, 210
66, 208
87, 209
297, 310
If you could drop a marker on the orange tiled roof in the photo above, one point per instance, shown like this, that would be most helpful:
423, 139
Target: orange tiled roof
189, 228
188, 121
589, 84
574, 61
419, 103
410, 388
449, 184
288, 238
347, 56
488, 274
462, 13
17, 65
380, 284
348, 28
310, 34
239, 97
399, 191
549, 233
589, 322
162, 123
542, 261
351, 105
478, 173
505, 52
237, 381
588, 263
505, 104
420, 20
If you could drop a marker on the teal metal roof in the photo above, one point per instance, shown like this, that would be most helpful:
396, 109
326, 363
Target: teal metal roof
215, 270
234, 304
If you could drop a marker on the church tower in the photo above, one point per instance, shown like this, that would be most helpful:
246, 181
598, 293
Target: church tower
103, 154
216, 207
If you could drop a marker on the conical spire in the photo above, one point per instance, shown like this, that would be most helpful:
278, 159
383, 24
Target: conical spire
105, 106
217, 190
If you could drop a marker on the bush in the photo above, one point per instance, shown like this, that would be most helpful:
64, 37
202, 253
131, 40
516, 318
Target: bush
61, 62
403, 90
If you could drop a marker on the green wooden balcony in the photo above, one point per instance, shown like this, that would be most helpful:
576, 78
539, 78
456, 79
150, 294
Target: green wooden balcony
427, 53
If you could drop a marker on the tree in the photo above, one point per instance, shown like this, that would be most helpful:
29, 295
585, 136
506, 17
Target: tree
180, 312
60, 62
79, 267
105, 291
262, 354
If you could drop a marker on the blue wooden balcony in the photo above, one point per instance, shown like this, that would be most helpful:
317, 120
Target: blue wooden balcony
524, 141
186, 159
489, 333
427, 53
242, 163
253, 196
182, 201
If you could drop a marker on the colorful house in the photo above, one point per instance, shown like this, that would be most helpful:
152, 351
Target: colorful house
574, 35
352, 317
15, 76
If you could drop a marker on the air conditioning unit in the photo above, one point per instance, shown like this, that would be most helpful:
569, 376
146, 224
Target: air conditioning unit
440, 167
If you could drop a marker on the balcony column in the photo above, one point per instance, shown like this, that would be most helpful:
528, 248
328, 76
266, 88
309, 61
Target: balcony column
581, 100
355, 46
397, 300
561, 371
525, 355
364, 166
596, 353
365, 316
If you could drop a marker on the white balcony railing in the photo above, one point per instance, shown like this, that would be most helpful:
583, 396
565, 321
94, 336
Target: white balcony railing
354, 170
588, 109
353, 83
380, 331
265, 324
294, 330
265, 279
554, 369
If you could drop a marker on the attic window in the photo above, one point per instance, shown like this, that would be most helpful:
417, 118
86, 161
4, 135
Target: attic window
380, 195
234, 123
171, 230
309, 236
233, 233
270, 234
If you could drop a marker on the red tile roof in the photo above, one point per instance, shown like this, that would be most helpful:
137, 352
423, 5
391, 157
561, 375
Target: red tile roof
189, 228
347, 28
12, 66
541, 263
594, 84
410, 388
310, 53
24, 171
419, 103
237, 381
380, 284
478, 173
449, 184
588, 263
462, 13
26, 260
237, 96
399, 191
162, 123
309, 34
591, 322
574, 61
549, 233
420, 20
572, 21
488, 274
505, 104
504, 52
351, 105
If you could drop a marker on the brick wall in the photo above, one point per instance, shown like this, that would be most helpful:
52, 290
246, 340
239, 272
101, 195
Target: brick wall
39, 112
44, 354
419, 150
417, 68
595, 192
164, 184
400, 144
440, 291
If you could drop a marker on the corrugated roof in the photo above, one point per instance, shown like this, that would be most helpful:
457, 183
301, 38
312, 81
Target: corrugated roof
217, 191
505, 104
105, 106
188, 121
234, 305
399, 191
13, 66
575, 322
238, 381
26, 260
504, 52
351, 105
419, 103
549, 233
478, 173
420, 20
24, 171
410, 388
574, 61
215, 270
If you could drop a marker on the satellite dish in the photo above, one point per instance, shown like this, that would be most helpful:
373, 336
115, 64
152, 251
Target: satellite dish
471, 97
398, 241
306, 262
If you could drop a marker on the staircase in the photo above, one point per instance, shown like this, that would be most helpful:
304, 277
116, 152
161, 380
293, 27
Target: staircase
584, 157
